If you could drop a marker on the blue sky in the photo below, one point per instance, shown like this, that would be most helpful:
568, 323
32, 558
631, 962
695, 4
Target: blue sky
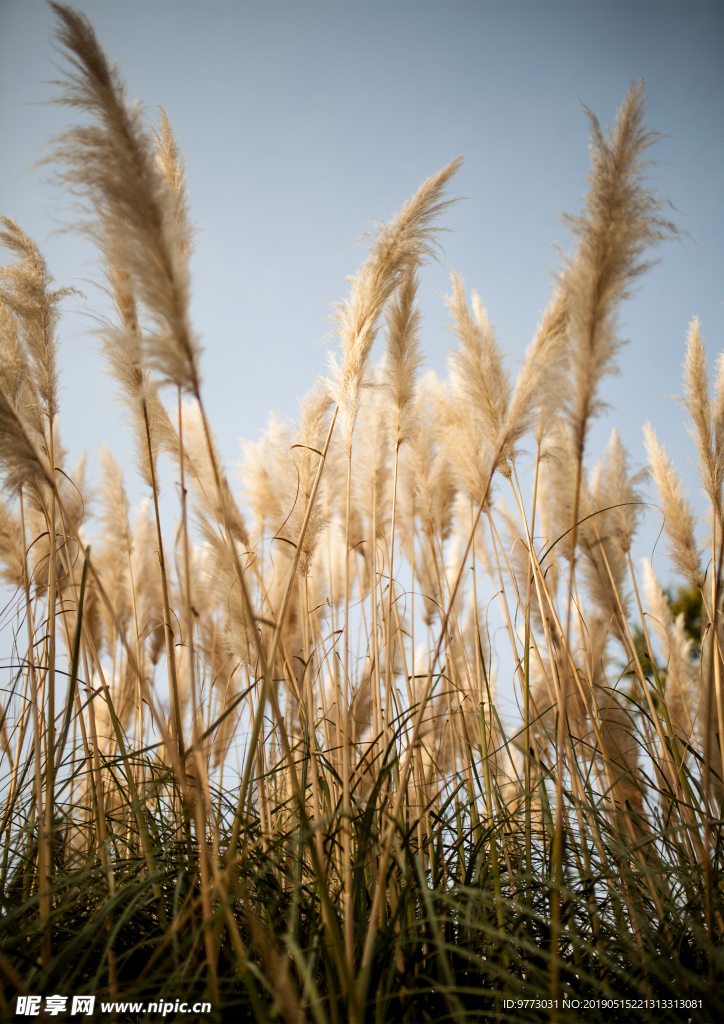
304, 122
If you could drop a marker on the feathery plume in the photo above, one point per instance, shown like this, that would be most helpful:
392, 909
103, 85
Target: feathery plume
20, 459
477, 373
434, 484
261, 474
556, 487
171, 165
14, 369
12, 548
115, 551
613, 504
718, 411
302, 463
459, 434
620, 221
372, 470
519, 561
679, 521
25, 289
617, 727
404, 357
602, 555
123, 348
696, 400
616, 489
223, 584
147, 582
682, 677
402, 244
111, 163
539, 387
222, 507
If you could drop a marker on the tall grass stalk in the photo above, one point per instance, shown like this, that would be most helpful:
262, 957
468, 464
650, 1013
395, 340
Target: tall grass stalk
259, 762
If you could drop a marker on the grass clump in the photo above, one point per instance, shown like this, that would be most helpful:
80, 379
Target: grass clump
260, 764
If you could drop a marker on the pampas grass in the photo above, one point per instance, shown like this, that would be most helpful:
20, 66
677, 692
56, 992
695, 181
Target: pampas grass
257, 760
679, 521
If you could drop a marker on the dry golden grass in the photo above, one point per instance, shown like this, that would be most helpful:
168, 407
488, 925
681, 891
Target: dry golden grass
260, 759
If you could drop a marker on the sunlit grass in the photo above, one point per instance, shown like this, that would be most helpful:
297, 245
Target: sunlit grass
256, 759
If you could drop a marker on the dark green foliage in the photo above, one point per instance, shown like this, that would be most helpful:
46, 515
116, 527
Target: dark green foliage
689, 602
634, 914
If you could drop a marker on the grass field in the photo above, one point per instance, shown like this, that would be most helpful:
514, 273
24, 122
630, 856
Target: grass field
254, 758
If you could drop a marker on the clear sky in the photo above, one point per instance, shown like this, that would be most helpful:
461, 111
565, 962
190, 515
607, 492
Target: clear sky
304, 122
